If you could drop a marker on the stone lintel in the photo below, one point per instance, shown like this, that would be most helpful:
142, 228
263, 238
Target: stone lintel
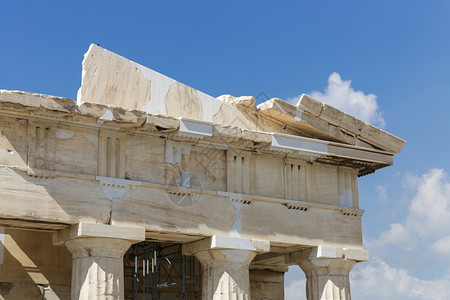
274, 268
327, 252
86, 230
270, 261
271, 258
226, 243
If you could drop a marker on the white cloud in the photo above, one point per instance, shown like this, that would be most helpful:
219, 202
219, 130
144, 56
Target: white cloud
442, 245
341, 95
295, 290
382, 193
410, 181
397, 235
420, 239
429, 212
295, 284
378, 280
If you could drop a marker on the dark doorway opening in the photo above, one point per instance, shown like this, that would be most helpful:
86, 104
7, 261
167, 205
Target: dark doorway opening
159, 271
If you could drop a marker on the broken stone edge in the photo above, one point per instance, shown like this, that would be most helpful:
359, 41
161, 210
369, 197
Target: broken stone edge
330, 123
50, 107
132, 121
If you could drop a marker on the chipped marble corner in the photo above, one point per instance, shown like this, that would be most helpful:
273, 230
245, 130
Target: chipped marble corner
106, 79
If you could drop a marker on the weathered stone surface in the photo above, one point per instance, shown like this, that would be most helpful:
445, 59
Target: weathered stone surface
381, 138
235, 135
225, 262
70, 193
350, 123
301, 122
57, 292
20, 291
25, 291
343, 135
13, 142
31, 267
161, 123
31, 101
235, 116
183, 101
105, 80
61, 159
111, 79
114, 80
93, 110
97, 269
354, 254
327, 279
97, 253
331, 114
257, 137
126, 116
279, 106
266, 285
246, 101
227, 133
88, 230
310, 104
326, 122
104, 113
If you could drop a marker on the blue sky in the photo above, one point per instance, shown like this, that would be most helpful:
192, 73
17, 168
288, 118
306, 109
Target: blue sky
399, 51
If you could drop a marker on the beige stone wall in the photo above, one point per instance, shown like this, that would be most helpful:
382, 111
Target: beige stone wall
81, 159
208, 168
145, 159
266, 285
267, 176
49, 174
76, 150
13, 141
32, 268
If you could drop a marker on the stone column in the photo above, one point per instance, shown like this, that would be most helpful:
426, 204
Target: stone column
327, 271
225, 262
327, 279
97, 252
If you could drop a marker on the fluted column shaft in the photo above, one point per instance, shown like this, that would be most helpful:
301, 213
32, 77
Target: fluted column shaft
327, 279
97, 268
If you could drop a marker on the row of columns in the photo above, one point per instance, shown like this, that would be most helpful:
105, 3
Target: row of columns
97, 270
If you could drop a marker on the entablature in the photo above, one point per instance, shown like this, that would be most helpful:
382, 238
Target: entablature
53, 200
57, 110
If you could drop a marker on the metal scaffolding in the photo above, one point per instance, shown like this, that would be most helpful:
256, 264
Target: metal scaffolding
159, 271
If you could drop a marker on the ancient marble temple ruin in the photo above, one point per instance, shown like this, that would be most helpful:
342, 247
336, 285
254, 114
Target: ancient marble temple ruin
145, 188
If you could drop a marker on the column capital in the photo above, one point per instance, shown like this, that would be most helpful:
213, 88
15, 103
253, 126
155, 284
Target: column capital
217, 242
88, 230
327, 252
327, 270
225, 261
97, 253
